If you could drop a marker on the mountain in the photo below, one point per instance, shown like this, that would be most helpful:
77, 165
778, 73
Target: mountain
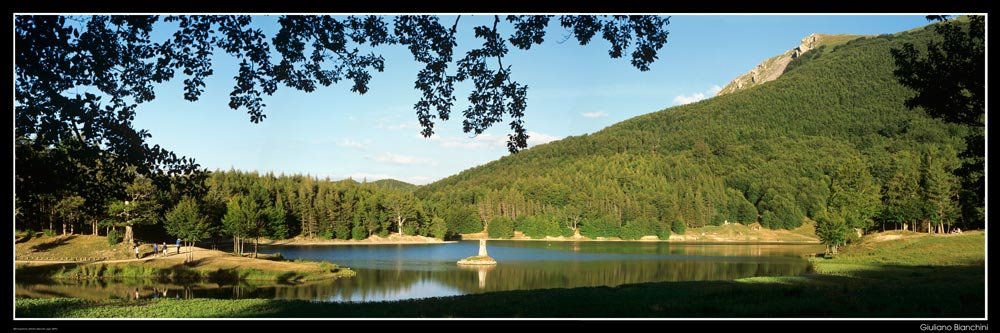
773, 67
828, 138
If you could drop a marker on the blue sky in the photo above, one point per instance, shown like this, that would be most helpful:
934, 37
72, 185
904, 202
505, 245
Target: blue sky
573, 90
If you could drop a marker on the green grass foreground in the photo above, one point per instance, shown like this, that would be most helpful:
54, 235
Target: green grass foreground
914, 276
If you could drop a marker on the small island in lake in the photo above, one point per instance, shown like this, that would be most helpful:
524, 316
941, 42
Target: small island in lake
481, 259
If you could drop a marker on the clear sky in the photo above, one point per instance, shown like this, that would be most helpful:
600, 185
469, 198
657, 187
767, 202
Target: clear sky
573, 90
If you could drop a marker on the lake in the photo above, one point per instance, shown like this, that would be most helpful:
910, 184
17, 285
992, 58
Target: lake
397, 272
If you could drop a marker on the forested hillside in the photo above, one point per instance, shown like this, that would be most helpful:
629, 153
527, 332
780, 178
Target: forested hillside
829, 140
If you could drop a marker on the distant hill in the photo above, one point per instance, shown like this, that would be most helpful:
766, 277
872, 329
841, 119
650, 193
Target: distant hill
829, 136
393, 184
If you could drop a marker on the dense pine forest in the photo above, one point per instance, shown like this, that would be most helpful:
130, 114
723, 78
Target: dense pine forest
830, 141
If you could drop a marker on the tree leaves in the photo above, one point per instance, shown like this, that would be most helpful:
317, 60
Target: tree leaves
949, 83
80, 79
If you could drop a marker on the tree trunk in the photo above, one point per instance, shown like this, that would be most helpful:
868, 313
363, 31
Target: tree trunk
399, 223
128, 235
255, 241
93, 226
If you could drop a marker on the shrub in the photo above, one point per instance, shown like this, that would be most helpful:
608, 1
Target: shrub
114, 237
679, 227
341, 231
359, 233
501, 227
410, 228
49, 232
439, 228
635, 229
600, 227
326, 234
546, 225
717, 220
521, 221
663, 231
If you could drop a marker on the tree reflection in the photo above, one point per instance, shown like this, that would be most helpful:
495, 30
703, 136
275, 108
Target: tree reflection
393, 283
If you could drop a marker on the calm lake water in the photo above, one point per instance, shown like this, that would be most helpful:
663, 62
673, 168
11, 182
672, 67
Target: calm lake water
396, 272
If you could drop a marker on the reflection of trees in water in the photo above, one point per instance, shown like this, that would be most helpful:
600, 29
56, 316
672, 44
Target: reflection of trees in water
369, 285
373, 285
668, 248
581, 274
117, 289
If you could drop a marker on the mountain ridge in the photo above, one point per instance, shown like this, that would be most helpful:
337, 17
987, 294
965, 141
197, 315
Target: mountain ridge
830, 138
773, 67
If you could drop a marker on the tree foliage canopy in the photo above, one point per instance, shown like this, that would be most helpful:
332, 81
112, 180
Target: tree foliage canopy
79, 81
949, 81
186, 221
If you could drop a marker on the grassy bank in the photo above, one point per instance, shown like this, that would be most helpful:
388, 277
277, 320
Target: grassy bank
72, 248
914, 276
88, 257
251, 270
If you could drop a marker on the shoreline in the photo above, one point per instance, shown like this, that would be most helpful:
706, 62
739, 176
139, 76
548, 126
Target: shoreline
193, 264
729, 233
392, 239
674, 241
732, 242
347, 242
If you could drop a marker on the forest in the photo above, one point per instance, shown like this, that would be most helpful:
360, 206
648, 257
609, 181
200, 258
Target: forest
831, 141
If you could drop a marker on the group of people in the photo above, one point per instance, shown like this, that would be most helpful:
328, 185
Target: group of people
156, 293
157, 248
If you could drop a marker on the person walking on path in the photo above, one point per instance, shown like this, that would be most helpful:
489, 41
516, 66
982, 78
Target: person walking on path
164, 249
135, 248
178, 246
155, 250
